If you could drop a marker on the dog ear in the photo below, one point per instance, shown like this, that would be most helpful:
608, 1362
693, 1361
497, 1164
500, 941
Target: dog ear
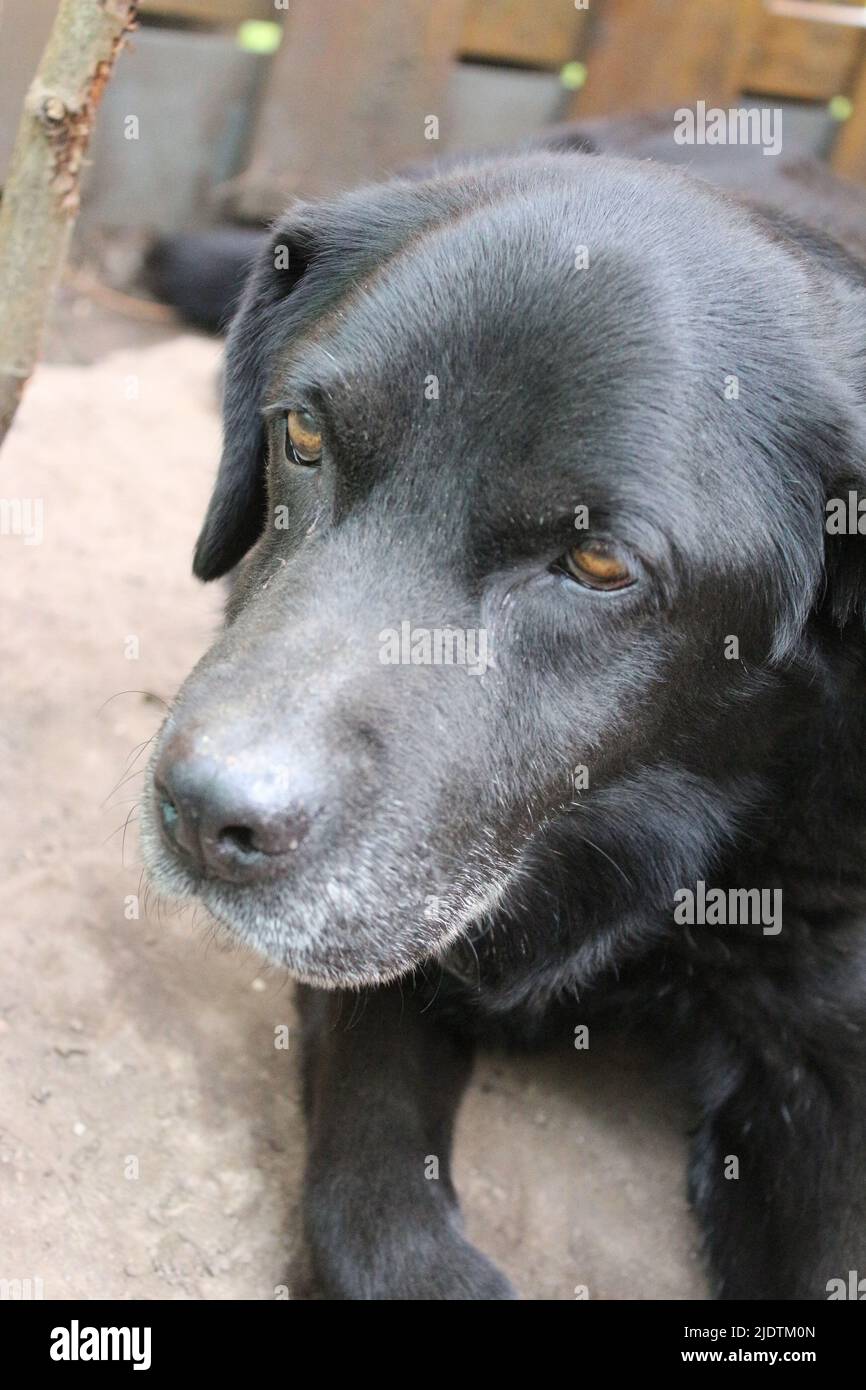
844, 599
236, 513
834, 435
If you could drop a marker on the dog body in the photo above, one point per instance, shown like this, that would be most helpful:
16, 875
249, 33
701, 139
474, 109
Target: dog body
594, 410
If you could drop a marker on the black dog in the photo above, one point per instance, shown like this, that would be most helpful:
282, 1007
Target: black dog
539, 646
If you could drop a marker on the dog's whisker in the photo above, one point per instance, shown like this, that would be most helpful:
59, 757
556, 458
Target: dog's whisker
130, 817
148, 694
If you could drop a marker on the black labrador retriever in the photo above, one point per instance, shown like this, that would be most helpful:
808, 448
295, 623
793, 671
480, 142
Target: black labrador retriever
540, 697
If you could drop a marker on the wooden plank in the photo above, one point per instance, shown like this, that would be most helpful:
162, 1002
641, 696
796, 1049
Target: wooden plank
849, 150
533, 33
491, 107
211, 11
802, 59
650, 54
347, 97
191, 92
849, 12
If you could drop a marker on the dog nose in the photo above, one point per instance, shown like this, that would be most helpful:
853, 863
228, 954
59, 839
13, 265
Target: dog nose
231, 816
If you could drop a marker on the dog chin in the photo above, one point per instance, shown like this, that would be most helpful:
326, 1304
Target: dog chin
337, 932
330, 939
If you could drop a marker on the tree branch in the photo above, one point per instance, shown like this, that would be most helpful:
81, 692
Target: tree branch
41, 194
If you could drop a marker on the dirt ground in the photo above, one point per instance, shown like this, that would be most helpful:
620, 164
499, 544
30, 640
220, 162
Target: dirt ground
150, 1135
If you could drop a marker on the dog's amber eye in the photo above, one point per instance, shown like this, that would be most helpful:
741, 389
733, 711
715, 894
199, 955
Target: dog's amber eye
303, 437
599, 566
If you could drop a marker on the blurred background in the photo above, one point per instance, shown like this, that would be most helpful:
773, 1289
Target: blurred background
222, 110
150, 1136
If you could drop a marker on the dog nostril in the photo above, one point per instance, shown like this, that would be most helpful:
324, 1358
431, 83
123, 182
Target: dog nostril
238, 837
228, 821
246, 840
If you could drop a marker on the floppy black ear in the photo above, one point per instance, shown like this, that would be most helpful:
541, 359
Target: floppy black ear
845, 548
236, 513
835, 437
844, 521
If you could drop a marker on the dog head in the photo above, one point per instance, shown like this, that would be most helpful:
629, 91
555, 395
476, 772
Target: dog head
523, 489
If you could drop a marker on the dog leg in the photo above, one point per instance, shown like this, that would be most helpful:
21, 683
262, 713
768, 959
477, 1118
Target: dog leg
382, 1084
778, 1173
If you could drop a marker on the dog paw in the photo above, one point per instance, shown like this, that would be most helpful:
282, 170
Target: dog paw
414, 1260
457, 1271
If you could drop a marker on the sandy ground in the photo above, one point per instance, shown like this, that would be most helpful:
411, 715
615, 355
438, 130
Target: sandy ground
150, 1135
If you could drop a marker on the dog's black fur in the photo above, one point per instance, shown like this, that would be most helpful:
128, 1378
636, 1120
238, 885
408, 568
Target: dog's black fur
558, 387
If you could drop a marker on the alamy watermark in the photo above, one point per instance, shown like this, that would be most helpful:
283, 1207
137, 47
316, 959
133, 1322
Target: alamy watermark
23, 517
846, 516
77, 1343
739, 125
21, 1290
851, 1288
435, 646
729, 907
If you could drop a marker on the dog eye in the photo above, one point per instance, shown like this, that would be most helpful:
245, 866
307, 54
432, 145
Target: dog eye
599, 566
303, 437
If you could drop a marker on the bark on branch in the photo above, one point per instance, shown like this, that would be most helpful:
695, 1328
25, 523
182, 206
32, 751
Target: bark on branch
41, 194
